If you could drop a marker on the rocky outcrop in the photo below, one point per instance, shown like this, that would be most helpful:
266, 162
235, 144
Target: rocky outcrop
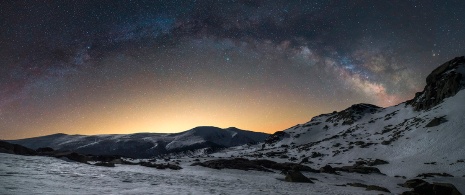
352, 114
277, 136
369, 187
296, 176
9, 148
161, 166
328, 169
375, 162
445, 81
257, 165
436, 121
73, 156
356, 168
421, 187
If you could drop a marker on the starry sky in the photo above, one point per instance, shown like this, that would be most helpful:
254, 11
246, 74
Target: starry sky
111, 67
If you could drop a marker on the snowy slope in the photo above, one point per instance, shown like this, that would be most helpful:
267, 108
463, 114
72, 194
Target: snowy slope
419, 136
145, 145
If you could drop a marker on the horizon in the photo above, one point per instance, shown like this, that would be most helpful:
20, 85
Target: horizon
133, 133
93, 68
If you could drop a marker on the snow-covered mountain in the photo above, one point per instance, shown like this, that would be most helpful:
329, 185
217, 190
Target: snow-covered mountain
425, 134
416, 147
145, 145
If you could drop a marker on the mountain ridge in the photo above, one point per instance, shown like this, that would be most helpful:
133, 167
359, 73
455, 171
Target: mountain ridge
407, 135
145, 145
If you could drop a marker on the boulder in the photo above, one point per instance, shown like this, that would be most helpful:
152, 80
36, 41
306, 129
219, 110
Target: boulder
296, 176
77, 157
436, 121
412, 183
327, 169
161, 166
377, 162
257, 165
358, 169
369, 187
433, 189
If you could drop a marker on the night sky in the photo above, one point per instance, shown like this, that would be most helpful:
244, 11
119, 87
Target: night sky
105, 67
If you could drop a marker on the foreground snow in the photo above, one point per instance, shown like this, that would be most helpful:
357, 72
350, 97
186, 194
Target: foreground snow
44, 175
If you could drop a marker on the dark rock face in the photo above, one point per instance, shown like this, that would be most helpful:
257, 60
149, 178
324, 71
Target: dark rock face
425, 188
443, 82
352, 114
371, 162
359, 169
436, 121
277, 136
369, 187
327, 169
296, 176
161, 166
74, 157
257, 165
9, 148
237, 163
425, 175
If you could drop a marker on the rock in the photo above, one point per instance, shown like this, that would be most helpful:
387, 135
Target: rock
316, 155
10, 148
237, 163
277, 136
161, 166
305, 160
77, 157
359, 185
442, 83
296, 176
433, 189
377, 188
257, 165
412, 183
436, 121
386, 142
358, 169
45, 150
377, 162
369, 187
105, 164
425, 175
327, 169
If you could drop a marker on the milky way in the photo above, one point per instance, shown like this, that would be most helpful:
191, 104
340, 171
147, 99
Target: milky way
94, 67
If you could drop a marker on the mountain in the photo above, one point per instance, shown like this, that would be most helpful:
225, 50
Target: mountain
425, 134
146, 145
